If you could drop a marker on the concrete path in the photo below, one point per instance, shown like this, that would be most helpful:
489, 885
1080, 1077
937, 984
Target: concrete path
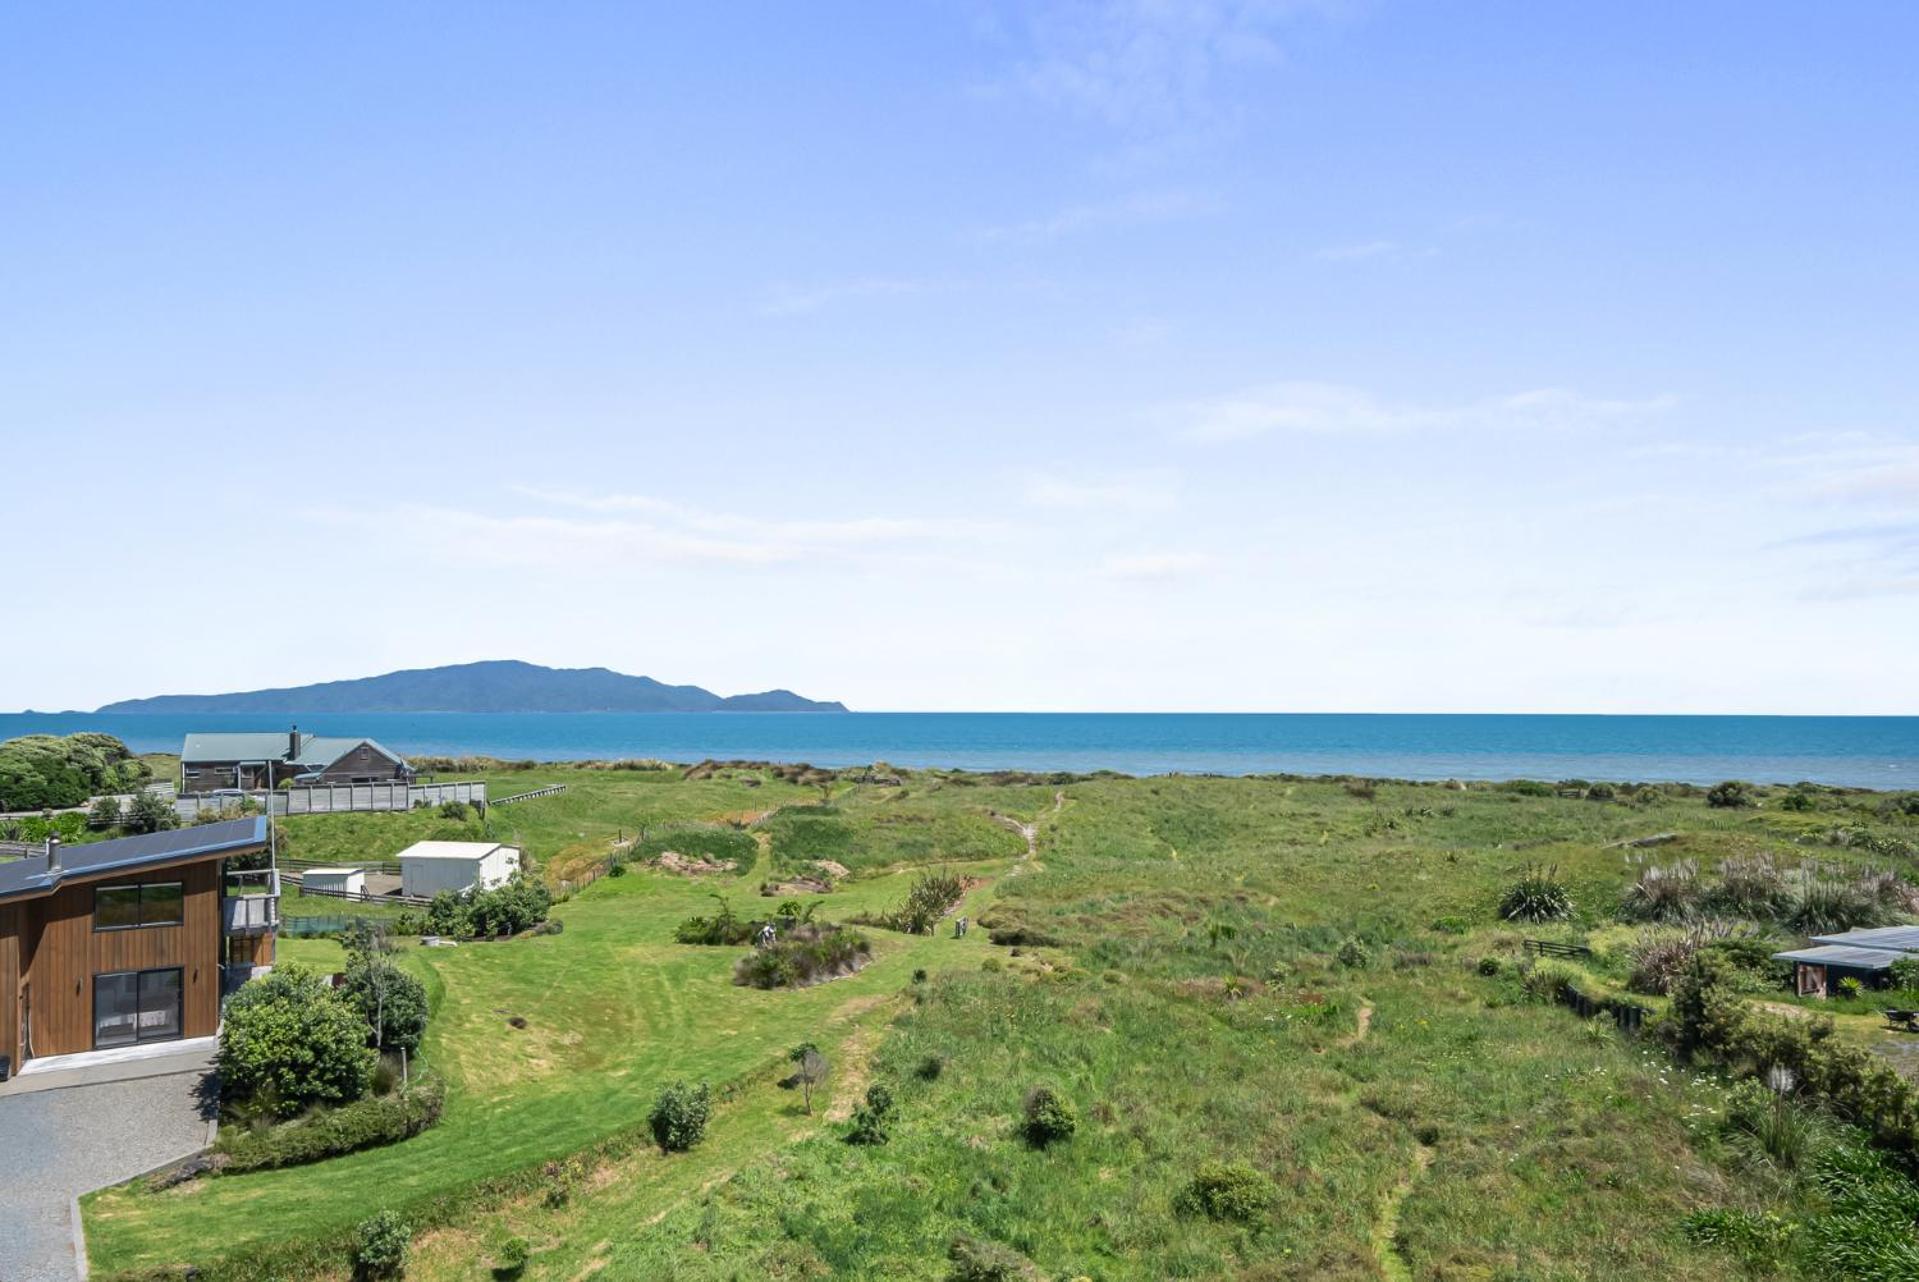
64, 1142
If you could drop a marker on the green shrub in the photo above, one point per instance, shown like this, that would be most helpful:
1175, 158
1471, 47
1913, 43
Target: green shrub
288, 1041
366, 1123
979, 1260
873, 1120
453, 810
149, 812
1050, 1116
1731, 795
1905, 974
1761, 1240
804, 955
391, 1001
1538, 895
1850, 986
1796, 800
105, 812
1550, 981
1227, 1191
1601, 792
679, 1116
1823, 904
1354, 954
481, 914
725, 928
380, 1246
931, 897
512, 1256
930, 1068
1451, 925
1489, 966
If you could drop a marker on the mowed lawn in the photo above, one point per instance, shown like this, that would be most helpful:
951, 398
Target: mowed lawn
614, 1009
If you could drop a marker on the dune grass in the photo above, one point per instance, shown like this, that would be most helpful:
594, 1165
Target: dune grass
1278, 973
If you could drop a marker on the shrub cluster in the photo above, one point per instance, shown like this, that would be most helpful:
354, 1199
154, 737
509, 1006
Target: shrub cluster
365, 1123
1049, 1116
804, 955
982, 1260
1810, 899
288, 1042
380, 1246
480, 914
45, 771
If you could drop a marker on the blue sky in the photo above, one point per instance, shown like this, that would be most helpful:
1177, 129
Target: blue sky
1345, 356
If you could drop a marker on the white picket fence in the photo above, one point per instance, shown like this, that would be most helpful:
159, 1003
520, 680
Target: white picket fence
334, 798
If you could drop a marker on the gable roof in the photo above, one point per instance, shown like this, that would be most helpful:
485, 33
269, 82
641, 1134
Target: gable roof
452, 849
316, 752
126, 854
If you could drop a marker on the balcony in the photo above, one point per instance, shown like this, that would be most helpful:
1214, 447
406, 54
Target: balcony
252, 902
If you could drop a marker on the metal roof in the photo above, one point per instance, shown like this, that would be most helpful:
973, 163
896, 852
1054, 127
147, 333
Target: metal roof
453, 849
1895, 939
316, 751
31, 876
1835, 955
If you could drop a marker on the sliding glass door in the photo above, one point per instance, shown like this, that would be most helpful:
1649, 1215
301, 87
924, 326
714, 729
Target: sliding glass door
135, 1006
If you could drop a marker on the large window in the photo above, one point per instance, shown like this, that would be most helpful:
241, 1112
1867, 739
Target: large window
125, 907
136, 1006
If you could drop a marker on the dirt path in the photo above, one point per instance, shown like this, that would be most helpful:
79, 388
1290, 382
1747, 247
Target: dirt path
1392, 1263
1029, 831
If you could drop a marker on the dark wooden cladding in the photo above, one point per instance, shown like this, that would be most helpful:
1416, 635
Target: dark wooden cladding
50, 953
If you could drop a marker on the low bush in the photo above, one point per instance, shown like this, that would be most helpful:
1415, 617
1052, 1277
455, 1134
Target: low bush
1354, 954
1731, 795
679, 1116
479, 914
980, 1260
1227, 1191
1753, 886
932, 896
380, 1246
873, 1120
1550, 981
454, 810
724, 928
367, 1123
1823, 904
1049, 1116
510, 1260
804, 955
1538, 895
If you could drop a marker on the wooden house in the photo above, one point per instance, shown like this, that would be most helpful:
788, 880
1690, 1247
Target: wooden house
256, 760
124, 942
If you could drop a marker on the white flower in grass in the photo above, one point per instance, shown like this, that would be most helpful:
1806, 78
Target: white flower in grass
1780, 1080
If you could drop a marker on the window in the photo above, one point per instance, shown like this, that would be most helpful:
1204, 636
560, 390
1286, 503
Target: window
136, 1006
125, 907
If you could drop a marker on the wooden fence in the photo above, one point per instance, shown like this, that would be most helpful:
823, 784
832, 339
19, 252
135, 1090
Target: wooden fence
364, 897
554, 791
324, 799
1547, 948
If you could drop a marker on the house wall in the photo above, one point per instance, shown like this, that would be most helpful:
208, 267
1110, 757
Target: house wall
68, 953
428, 877
365, 764
10, 984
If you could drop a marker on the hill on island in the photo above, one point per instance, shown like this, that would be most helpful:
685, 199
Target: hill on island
499, 685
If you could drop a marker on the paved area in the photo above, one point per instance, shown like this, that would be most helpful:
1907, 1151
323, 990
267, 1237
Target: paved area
61, 1143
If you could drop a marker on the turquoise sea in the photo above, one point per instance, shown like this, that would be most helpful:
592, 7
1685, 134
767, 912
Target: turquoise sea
1870, 752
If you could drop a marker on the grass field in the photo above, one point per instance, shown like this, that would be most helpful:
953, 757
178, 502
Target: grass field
1273, 972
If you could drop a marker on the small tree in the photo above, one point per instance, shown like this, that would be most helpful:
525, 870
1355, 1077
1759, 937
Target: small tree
679, 1116
809, 1069
105, 812
150, 812
1733, 794
391, 1001
364, 937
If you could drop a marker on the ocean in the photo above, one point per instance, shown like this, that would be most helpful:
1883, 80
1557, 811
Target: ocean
1868, 752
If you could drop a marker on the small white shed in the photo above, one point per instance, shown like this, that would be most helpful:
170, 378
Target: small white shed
429, 867
334, 881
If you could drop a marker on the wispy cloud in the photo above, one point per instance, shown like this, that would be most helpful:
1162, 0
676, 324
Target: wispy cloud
1138, 209
1330, 408
1143, 63
839, 531
1156, 567
788, 300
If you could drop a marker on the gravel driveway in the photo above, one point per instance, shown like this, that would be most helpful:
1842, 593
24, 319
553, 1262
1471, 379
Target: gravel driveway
60, 1143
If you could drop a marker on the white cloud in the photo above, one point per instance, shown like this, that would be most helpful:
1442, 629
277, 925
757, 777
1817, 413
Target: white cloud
1156, 566
1363, 250
859, 530
1329, 408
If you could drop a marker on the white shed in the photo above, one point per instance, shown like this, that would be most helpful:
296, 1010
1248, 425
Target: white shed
334, 881
428, 867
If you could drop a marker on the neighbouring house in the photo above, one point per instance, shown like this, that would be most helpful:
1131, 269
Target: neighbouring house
429, 867
1864, 955
118, 943
266, 759
343, 882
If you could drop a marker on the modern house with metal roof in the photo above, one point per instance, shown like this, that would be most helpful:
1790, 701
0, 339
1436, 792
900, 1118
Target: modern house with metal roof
1864, 955
120, 943
253, 760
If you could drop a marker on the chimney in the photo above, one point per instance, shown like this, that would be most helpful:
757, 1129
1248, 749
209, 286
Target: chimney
53, 854
293, 744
